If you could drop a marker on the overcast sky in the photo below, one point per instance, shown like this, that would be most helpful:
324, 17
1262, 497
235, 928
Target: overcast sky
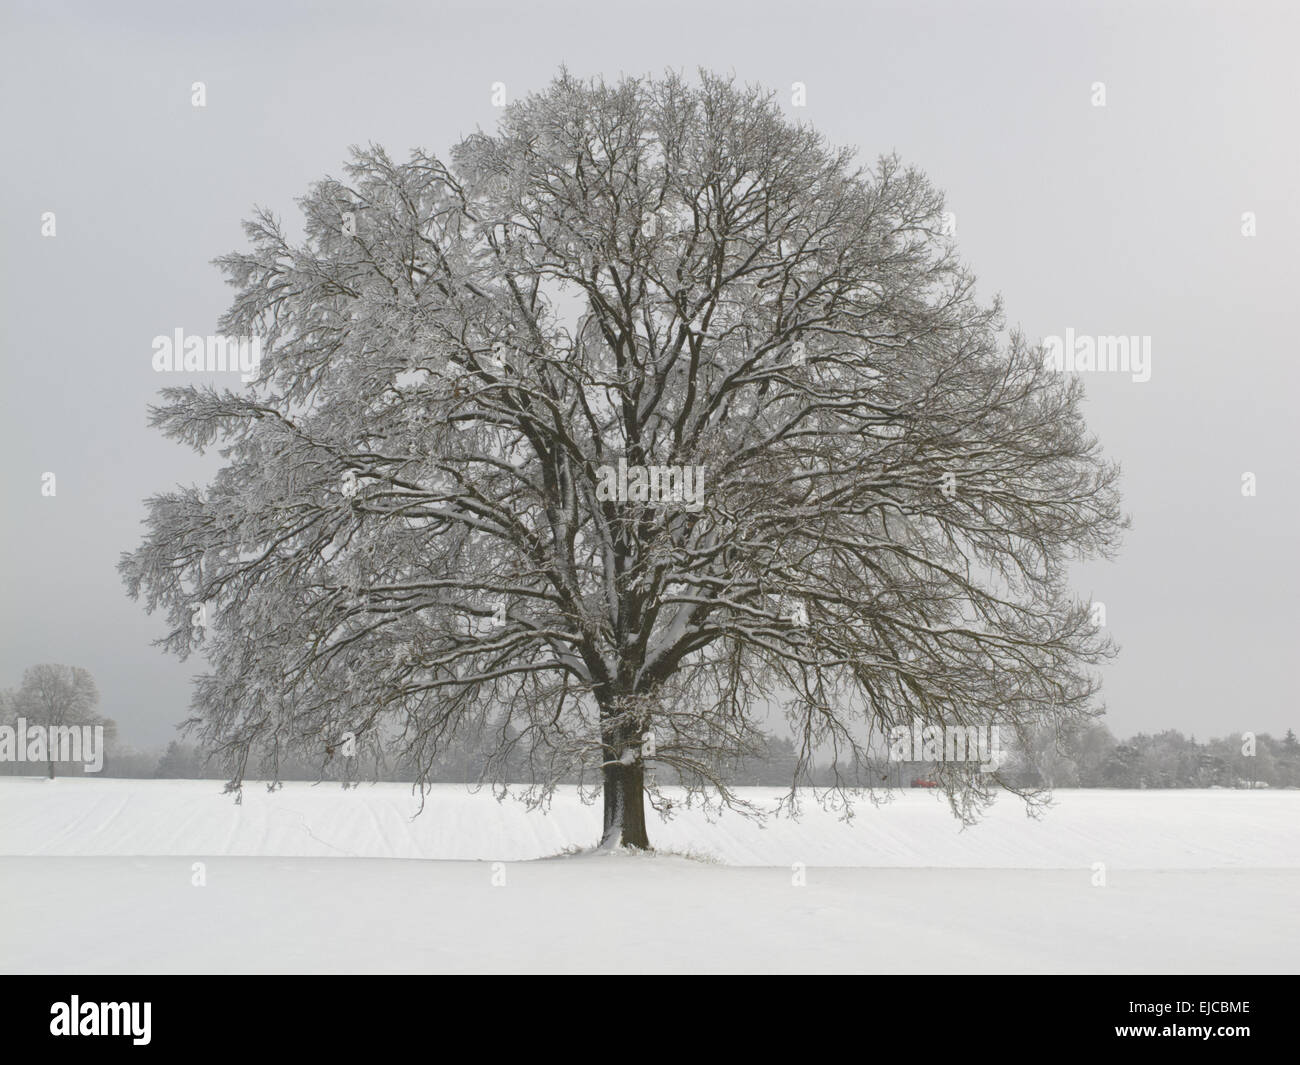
1122, 219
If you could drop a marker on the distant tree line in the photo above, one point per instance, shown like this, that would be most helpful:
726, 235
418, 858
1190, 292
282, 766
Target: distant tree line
1087, 758
1092, 757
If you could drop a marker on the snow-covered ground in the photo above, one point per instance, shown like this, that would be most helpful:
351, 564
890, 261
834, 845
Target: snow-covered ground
99, 876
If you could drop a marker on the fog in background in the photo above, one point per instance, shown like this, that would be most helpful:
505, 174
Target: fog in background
1123, 219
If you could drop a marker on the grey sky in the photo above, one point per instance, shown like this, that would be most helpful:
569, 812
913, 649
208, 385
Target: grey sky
1123, 219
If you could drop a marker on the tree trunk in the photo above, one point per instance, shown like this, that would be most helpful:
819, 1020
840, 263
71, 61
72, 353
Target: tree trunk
625, 807
51, 763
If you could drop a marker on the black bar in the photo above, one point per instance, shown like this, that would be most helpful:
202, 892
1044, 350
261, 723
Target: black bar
1003, 1015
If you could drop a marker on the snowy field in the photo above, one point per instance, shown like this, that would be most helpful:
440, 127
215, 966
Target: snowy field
98, 876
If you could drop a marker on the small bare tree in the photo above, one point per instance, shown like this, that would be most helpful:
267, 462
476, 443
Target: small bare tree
641, 417
54, 697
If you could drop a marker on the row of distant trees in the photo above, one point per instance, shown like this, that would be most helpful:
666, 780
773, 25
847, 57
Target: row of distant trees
1085, 757
1090, 758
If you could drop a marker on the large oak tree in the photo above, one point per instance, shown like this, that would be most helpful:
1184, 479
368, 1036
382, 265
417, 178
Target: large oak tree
407, 543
